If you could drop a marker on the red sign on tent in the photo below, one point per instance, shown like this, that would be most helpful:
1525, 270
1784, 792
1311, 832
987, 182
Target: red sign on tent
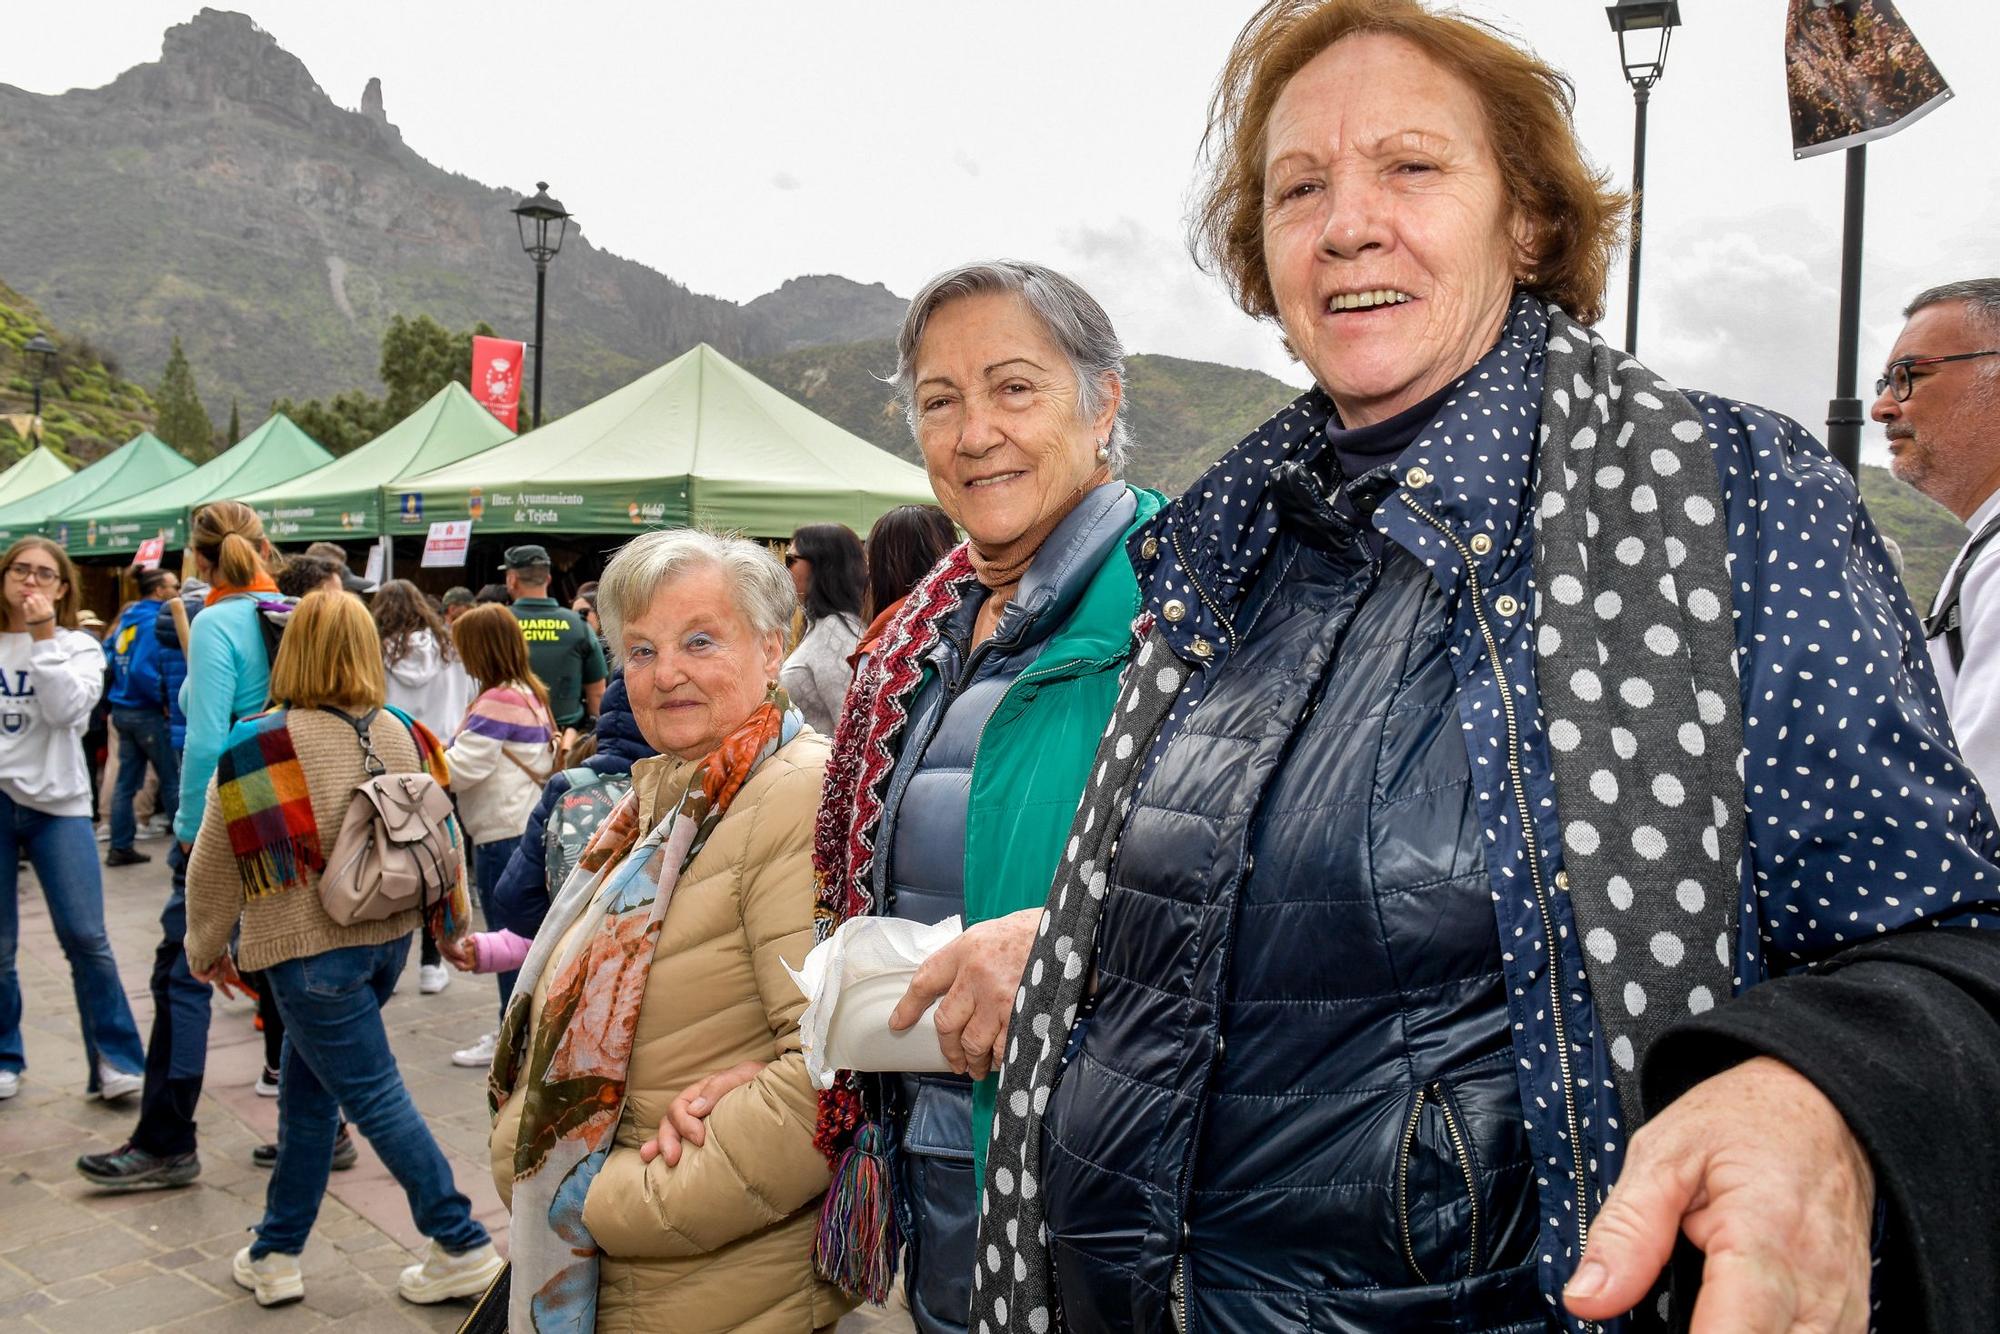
496, 376
151, 552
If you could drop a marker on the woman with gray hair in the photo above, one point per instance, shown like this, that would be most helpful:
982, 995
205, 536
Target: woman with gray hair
663, 959
967, 736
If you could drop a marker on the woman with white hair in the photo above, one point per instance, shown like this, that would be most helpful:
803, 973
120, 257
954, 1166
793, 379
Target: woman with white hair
663, 960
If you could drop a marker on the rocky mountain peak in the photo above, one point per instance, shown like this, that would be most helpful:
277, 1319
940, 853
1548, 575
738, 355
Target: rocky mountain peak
220, 57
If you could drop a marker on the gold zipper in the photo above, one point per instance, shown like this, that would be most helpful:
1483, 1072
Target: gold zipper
1403, 1187
1471, 1180
1526, 815
1187, 571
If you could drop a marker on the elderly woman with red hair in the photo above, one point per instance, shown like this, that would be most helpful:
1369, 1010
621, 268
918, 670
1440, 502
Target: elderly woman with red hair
1519, 837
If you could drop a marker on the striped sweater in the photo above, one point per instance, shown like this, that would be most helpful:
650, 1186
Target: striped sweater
496, 794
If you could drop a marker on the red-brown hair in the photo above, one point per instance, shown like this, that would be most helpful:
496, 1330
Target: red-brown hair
1573, 214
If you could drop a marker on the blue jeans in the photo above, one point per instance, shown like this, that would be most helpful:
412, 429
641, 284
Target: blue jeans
489, 862
64, 854
337, 1058
143, 739
177, 1050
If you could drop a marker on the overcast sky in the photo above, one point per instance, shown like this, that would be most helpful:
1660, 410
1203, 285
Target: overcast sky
735, 145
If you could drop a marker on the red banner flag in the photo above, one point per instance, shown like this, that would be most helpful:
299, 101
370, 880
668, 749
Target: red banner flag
496, 376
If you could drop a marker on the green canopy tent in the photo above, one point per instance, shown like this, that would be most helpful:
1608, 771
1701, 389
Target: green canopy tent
700, 440
275, 452
344, 499
141, 464
39, 470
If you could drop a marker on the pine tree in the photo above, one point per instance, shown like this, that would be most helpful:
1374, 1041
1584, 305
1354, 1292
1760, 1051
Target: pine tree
235, 422
183, 421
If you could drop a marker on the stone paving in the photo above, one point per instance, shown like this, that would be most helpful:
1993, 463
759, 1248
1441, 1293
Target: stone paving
76, 1261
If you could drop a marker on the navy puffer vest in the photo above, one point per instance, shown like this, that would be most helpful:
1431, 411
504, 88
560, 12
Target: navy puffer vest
1301, 1018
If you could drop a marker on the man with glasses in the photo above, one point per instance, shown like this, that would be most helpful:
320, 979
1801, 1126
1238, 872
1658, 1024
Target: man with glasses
1939, 403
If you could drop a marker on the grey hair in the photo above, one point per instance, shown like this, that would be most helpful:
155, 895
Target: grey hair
1982, 294
1072, 316
758, 582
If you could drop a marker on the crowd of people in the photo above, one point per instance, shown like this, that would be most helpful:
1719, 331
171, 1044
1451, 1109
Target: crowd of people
1496, 825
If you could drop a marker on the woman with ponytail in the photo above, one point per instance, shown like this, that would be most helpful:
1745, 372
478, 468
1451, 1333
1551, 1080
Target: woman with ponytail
228, 679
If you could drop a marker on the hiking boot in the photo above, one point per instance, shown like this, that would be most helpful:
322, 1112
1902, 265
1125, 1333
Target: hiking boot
443, 1276
126, 857
127, 1168
266, 1155
274, 1277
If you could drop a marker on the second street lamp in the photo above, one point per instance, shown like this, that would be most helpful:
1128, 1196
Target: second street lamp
543, 223
1645, 29
39, 347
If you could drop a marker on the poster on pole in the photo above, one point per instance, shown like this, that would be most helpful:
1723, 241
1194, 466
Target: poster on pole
496, 376
1854, 72
381, 561
151, 552
445, 547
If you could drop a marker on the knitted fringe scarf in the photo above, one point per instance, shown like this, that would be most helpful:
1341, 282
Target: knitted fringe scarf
858, 1240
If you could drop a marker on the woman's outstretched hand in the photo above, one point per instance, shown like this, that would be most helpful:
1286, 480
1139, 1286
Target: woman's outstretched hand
977, 976
1762, 1173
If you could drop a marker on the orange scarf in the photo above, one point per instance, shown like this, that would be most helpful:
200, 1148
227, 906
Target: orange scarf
263, 583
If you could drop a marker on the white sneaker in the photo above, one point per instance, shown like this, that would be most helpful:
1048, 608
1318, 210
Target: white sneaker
443, 1275
103, 834
432, 978
479, 1055
275, 1278
267, 1083
115, 1084
10, 1083
153, 827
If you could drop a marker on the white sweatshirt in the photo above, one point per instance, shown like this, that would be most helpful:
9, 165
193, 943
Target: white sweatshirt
47, 691
1972, 694
434, 692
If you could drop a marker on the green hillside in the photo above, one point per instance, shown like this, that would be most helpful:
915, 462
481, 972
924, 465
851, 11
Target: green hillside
1927, 532
88, 409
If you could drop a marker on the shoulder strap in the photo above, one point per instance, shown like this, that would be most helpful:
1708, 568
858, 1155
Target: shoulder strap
1945, 618
371, 762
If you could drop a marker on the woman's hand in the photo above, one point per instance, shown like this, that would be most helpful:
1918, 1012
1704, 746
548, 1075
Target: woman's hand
458, 951
1762, 1173
977, 975
686, 1113
222, 975
38, 615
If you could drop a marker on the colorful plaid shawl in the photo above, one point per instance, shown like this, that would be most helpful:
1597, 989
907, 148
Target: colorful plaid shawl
570, 1068
261, 787
858, 1241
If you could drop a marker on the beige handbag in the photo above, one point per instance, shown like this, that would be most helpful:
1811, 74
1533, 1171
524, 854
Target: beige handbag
399, 846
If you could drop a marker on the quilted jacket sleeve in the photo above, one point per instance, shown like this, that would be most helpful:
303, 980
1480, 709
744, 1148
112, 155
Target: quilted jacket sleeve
759, 1165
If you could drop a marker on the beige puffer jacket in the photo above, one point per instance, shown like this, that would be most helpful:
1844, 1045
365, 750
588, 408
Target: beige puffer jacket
723, 1241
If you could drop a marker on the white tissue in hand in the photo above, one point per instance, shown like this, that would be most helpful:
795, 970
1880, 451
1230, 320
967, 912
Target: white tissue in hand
852, 981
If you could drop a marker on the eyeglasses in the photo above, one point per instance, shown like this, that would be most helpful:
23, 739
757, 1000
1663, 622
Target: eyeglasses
1899, 381
34, 574
793, 558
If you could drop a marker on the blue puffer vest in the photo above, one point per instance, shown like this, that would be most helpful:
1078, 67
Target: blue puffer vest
1301, 1015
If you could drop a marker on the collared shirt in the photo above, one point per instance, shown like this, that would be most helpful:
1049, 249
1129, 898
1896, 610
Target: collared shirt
1972, 692
563, 652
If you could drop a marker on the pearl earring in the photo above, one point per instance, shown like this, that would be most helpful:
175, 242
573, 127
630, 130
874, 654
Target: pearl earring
1104, 451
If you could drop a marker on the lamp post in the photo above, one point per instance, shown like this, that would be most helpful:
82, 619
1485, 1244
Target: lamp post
1645, 28
44, 351
534, 216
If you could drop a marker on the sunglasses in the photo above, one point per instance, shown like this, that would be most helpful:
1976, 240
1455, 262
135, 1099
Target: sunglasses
1900, 382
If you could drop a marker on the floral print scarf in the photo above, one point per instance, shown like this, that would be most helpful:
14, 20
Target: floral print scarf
569, 1068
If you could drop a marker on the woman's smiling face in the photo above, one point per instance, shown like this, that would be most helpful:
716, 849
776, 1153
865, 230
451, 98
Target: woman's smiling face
1390, 241
695, 668
996, 407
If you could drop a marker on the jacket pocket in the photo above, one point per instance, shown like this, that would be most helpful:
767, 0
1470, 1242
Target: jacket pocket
941, 1199
1438, 1198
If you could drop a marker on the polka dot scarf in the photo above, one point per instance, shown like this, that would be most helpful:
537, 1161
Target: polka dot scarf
1636, 667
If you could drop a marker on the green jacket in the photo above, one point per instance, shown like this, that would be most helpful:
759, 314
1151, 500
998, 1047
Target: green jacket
1034, 756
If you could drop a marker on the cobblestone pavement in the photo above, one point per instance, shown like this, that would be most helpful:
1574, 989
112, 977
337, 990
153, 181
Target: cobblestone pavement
80, 1262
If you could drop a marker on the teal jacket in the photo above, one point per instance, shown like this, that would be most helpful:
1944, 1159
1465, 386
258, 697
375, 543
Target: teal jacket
1035, 755
228, 678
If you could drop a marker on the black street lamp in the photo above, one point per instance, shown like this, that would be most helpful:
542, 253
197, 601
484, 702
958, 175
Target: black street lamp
534, 216
1645, 28
39, 347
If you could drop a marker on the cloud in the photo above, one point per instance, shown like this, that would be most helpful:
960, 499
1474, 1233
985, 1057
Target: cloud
965, 162
784, 180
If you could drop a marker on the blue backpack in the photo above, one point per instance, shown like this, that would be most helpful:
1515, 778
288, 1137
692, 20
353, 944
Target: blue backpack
575, 817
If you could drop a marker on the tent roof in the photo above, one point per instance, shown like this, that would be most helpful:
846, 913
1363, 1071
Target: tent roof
700, 440
141, 464
36, 471
276, 451
344, 498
